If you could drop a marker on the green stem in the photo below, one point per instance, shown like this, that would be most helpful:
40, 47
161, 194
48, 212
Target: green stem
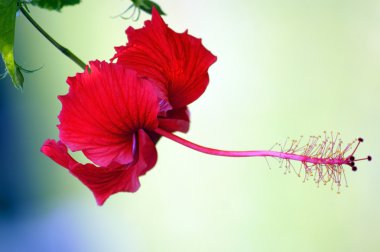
63, 49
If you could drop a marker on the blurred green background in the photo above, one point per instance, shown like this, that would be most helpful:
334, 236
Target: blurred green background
284, 69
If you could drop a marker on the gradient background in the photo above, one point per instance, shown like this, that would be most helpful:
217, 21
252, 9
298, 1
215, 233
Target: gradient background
283, 69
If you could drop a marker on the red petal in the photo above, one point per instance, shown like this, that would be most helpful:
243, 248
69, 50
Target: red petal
173, 120
176, 120
105, 181
102, 111
178, 61
58, 153
147, 152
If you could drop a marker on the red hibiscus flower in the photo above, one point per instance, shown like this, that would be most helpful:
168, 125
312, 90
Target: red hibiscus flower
106, 115
116, 112
111, 113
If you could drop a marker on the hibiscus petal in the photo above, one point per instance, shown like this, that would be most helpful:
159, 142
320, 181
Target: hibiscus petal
176, 120
105, 181
172, 120
57, 151
177, 61
147, 152
102, 111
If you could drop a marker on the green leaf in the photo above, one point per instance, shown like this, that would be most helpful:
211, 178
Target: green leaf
8, 9
54, 4
147, 5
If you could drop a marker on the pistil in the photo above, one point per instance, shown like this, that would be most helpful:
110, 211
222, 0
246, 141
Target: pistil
325, 155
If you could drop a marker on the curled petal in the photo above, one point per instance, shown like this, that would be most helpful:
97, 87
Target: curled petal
105, 181
173, 120
57, 151
147, 153
176, 120
102, 111
178, 62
